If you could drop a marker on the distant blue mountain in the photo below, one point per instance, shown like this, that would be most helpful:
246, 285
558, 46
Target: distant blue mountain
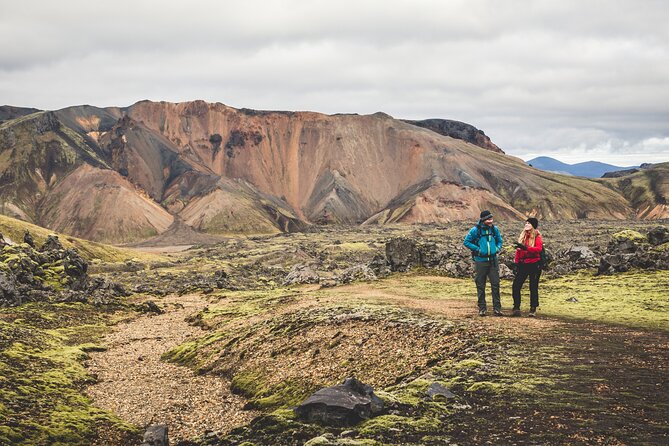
589, 169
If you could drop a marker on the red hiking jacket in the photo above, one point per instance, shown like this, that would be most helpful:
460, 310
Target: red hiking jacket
532, 254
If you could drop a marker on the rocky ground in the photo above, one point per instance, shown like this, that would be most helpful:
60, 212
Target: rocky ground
221, 342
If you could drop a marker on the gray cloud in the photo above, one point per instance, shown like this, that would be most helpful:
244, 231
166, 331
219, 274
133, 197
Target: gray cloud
572, 79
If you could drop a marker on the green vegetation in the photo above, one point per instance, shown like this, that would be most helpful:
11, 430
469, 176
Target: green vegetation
630, 234
42, 347
14, 229
253, 385
634, 299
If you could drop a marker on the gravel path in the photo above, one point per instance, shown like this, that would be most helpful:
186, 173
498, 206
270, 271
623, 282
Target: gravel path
136, 385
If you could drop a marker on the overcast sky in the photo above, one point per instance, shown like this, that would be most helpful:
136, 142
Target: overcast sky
577, 80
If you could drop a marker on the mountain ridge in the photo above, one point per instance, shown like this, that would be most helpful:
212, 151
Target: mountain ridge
589, 169
221, 170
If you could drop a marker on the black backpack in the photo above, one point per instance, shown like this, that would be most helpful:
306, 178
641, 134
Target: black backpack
545, 258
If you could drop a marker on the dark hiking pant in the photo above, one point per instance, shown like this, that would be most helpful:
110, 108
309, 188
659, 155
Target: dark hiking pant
525, 270
488, 270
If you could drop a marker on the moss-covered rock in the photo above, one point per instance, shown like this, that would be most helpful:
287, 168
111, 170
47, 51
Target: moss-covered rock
630, 234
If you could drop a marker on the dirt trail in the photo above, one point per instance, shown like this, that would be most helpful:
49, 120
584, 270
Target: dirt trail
136, 385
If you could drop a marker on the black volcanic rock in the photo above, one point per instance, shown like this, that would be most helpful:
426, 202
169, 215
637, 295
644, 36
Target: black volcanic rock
9, 295
658, 235
342, 405
458, 130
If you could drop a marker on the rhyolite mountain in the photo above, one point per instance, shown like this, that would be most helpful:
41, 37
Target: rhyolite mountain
126, 174
589, 169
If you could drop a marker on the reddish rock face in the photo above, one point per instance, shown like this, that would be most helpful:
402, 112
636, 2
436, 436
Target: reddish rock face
347, 168
221, 170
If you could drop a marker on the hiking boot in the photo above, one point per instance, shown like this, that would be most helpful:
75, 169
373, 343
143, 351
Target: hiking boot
483, 312
516, 313
533, 312
498, 313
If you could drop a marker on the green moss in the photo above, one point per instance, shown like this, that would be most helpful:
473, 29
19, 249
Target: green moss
386, 425
629, 234
351, 246
318, 441
486, 387
469, 364
253, 385
287, 414
661, 248
630, 298
42, 376
189, 353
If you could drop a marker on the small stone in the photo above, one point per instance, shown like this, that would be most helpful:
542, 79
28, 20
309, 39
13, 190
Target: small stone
436, 391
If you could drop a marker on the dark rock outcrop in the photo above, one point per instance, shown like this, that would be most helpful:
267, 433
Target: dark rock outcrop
357, 272
9, 295
156, 435
342, 405
402, 253
51, 243
438, 391
630, 250
580, 254
458, 130
658, 235
301, 274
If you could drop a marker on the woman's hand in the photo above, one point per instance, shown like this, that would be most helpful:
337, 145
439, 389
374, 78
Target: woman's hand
521, 246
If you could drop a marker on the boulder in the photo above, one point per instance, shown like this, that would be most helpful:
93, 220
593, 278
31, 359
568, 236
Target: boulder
430, 255
622, 246
150, 307
28, 238
437, 391
9, 295
52, 243
580, 254
379, 265
357, 272
301, 274
658, 235
629, 234
156, 435
402, 254
221, 279
76, 268
342, 405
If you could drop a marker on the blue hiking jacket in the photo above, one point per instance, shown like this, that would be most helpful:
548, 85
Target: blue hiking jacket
489, 242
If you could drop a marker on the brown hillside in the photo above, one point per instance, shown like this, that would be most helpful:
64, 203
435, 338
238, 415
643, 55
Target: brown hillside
99, 204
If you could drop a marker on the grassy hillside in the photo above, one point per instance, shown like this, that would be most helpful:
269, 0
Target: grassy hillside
646, 190
14, 229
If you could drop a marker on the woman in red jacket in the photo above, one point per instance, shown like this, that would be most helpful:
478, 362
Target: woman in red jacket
528, 255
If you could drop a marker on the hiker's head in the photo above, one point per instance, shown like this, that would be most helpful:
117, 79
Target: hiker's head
531, 223
486, 218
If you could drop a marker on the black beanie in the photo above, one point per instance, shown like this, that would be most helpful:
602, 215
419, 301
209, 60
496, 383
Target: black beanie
534, 222
485, 215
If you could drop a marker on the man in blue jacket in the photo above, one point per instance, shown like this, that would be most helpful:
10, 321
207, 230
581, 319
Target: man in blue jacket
485, 242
